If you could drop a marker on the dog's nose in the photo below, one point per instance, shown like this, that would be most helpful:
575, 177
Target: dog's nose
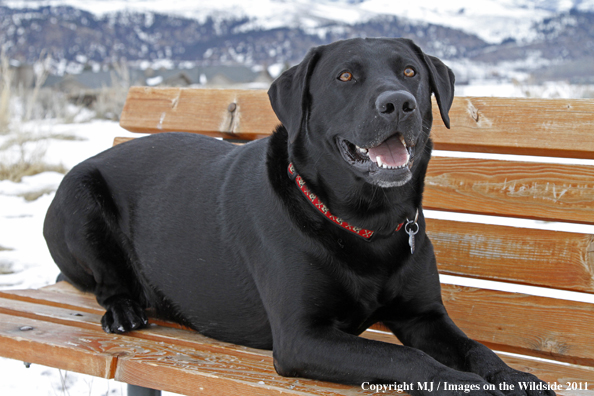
395, 105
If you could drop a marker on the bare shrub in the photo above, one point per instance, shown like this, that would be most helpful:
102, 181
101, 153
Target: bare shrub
52, 103
41, 68
110, 100
25, 167
5, 91
22, 155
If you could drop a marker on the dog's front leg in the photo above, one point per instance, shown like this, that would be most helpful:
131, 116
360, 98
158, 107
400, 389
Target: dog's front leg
331, 355
435, 333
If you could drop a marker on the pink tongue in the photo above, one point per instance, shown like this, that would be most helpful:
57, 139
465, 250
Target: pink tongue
392, 152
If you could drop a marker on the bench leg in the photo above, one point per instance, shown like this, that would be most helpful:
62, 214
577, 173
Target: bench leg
134, 390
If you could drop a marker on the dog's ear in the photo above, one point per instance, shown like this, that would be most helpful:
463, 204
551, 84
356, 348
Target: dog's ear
289, 94
442, 80
442, 84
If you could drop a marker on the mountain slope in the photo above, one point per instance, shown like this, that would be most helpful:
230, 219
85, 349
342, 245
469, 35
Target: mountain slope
530, 34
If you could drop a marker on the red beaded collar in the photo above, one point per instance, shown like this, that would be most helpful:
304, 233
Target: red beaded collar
318, 204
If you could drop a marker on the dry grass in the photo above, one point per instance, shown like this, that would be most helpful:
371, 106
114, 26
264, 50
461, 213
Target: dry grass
33, 195
26, 159
16, 171
65, 136
20, 139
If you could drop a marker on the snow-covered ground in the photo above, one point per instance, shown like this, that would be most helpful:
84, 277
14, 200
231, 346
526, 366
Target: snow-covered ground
26, 263
24, 259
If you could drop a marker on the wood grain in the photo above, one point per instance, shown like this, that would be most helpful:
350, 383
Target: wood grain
160, 331
547, 370
519, 323
555, 259
64, 347
183, 361
550, 127
61, 294
153, 110
555, 373
512, 322
551, 192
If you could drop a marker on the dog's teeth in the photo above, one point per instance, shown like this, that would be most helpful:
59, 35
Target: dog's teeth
403, 141
362, 150
379, 161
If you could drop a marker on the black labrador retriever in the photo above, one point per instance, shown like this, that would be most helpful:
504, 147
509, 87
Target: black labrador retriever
297, 242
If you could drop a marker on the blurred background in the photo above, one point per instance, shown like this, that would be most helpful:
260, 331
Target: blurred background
87, 53
66, 66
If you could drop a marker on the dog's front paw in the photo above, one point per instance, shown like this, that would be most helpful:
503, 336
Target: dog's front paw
123, 315
518, 383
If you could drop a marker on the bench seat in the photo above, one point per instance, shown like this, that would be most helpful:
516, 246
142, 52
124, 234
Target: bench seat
60, 327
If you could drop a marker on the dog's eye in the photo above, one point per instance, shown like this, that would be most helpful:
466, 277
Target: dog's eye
345, 76
409, 72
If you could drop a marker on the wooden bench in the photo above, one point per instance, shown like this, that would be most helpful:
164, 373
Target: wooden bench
553, 338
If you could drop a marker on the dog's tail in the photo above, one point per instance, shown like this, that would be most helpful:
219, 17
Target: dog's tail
62, 277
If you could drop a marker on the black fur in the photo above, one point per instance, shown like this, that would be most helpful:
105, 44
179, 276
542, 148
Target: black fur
218, 237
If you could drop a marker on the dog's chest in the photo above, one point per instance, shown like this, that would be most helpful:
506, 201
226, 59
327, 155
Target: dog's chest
362, 302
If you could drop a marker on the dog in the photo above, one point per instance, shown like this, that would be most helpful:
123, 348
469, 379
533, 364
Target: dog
297, 242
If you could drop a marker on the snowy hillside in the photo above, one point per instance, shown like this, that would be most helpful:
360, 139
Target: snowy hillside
491, 20
542, 40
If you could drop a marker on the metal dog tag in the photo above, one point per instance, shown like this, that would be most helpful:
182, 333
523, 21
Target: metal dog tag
411, 242
412, 228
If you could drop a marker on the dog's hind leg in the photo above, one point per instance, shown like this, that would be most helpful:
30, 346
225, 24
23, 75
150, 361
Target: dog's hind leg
85, 240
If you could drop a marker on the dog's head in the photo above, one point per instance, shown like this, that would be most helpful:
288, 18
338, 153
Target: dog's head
368, 101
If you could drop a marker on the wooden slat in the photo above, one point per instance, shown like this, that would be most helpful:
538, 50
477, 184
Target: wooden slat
153, 110
61, 294
511, 322
559, 260
547, 370
542, 191
64, 347
554, 373
177, 375
519, 323
199, 372
550, 127
44, 310
158, 357
184, 361
120, 140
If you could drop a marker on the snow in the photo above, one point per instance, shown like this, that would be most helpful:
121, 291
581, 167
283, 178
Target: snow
41, 381
24, 259
492, 20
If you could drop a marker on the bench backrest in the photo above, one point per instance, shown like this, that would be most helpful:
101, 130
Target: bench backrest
506, 189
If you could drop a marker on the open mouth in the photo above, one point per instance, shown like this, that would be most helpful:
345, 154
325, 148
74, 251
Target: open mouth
391, 154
